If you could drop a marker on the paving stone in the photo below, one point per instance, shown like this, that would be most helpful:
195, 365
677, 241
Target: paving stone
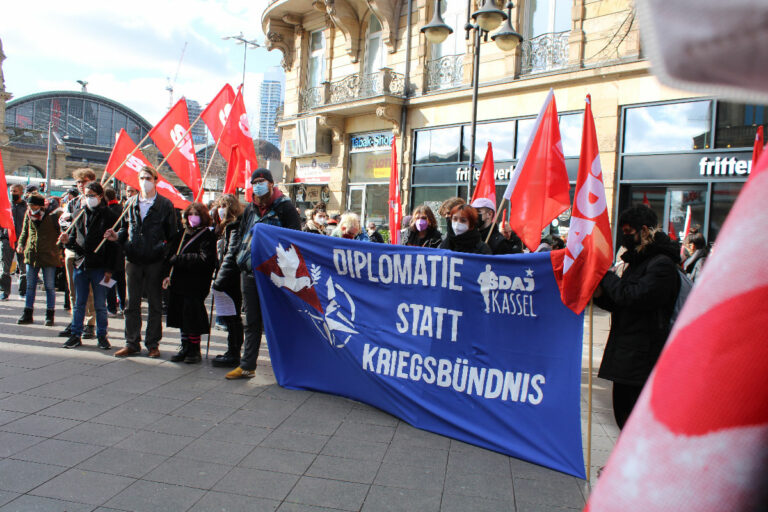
208, 450
95, 433
222, 397
348, 470
83, 486
312, 423
548, 492
155, 442
254, 482
392, 499
281, 461
410, 477
37, 425
70, 387
460, 503
144, 496
180, 426
6, 496
408, 436
372, 416
129, 417
365, 432
188, 472
339, 447
417, 456
237, 433
328, 493
28, 503
477, 460
300, 507
155, 403
22, 476
296, 441
75, 410
60, 453
26, 403
105, 396
119, 461
224, 502
11, 442
487, 485
523, 506
262, 418
204, 411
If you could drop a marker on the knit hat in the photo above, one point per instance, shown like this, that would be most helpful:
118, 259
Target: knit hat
262, 173
36, 200
483, 202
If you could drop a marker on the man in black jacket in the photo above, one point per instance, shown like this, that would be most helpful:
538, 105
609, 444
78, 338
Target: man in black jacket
507, 243
7, 251
144, 233
641, 303
269, 206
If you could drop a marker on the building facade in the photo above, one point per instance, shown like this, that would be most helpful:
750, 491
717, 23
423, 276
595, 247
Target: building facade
198, 131
270, 102
361, 72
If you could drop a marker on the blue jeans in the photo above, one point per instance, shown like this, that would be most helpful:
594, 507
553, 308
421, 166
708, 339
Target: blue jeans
49, 279
84, 279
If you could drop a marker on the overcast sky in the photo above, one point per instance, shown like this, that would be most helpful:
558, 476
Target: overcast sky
126, 50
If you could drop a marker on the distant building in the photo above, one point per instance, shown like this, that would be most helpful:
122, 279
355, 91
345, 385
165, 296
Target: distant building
270, 101
198, 131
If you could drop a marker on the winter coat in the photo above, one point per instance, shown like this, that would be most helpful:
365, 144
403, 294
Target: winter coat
311, 227
695, 262
376, 237
191, 280
88, 233
280, 212
17, 212
146, 241
433, 238
117, 210
469, 242
227, 278
641, 302
38, 240
499, 244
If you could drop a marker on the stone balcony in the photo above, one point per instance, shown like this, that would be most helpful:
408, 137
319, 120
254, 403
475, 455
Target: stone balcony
352, 89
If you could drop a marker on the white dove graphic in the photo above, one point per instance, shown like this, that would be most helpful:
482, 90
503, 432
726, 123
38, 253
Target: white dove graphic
288, 261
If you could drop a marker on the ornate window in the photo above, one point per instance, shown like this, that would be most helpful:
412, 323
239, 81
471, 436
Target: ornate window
374, 49
548, 25
316, 69
446, 66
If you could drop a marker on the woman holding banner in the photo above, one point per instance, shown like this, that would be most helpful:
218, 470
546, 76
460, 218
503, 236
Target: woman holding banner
464, 235
422, 231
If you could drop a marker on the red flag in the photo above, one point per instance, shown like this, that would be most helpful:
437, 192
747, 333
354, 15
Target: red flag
538, 190
173, 132
129, 173
6, 216
646, 202
238, 172
697, 438
486, 182
758, 147
589, 252
686, 230
395, 211
215, 118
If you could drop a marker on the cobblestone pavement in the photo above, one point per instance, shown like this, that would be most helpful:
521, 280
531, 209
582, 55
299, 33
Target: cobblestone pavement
82, 430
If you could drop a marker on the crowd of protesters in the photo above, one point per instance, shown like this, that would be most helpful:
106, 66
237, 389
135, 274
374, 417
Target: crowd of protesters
117, 252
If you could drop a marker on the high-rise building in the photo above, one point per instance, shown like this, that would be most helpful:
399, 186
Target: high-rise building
198, 131
270, 101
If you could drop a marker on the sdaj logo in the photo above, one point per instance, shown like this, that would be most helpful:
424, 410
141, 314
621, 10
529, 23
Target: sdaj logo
507, 295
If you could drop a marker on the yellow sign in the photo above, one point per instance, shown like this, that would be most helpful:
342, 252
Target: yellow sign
381, 172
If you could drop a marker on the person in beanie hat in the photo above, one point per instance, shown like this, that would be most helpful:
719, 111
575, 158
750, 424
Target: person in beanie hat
506, 242
37, 242
269, 206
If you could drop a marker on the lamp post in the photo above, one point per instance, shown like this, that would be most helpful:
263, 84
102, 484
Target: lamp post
484, 20
240, 38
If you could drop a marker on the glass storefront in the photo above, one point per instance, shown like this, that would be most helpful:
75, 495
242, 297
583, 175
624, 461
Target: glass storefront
368, 176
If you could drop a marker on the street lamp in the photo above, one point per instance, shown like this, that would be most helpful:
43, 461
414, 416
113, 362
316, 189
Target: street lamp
485, 19
240, 38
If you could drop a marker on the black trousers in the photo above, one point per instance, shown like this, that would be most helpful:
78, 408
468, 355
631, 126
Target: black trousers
253, 324
624, 398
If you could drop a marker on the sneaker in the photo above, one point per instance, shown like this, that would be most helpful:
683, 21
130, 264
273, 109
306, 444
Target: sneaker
153, 352
3, 296
72, 342
239, 373
89, 332
67, 332
103, 343
126, 351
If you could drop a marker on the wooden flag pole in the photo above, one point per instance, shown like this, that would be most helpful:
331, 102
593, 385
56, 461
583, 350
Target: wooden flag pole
128, 206
126, 159
80, 214
589, 394
210, 325
495, 219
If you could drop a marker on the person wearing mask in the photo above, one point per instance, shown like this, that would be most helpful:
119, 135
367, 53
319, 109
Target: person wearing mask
91, 267
37, 242
7, 251
641, 303
696, 246
423, 231
317, 220
271, 207
373, 234
188, 271
349, 228
82, 177
505, 242
464, 235
227, 280
143, 235
445, 211
116, 293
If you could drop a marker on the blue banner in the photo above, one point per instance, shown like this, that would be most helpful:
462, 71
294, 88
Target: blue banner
477, 348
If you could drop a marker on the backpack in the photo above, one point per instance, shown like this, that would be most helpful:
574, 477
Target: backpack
686, 285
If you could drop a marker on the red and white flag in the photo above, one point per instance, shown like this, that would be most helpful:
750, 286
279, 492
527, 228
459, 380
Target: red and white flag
757, 149
686, 230
215, 118
173, 132
538, 189
238, 172
697, 438
589, 252
128, 173
486, 182
395, 208
6, 216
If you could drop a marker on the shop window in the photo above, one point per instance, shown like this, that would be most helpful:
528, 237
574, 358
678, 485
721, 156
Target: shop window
524, 131
369, 166
668, 127
723, 197
501, 135
737, 124
680, 200
438, 146
653, 197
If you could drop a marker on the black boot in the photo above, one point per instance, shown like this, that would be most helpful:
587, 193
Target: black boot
72, 342
67, 306
193, 353
89, 332
26, 317
231, 359
181, 355
67, 332
49, 317
103, 342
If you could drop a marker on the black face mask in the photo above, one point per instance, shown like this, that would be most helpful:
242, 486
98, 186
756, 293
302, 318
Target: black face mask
628, 241
15, 197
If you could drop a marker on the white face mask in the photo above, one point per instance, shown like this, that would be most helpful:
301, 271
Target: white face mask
222, 213
92, 202
147, 186
321, 221
459, 228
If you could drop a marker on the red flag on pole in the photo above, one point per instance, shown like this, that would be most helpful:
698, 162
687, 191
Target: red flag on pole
6, 216
486, 182
757, 149
173, 130
538, 190
697, 438
238, 172
395, 211
686, 230
215, 118
589, 252
129, 173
